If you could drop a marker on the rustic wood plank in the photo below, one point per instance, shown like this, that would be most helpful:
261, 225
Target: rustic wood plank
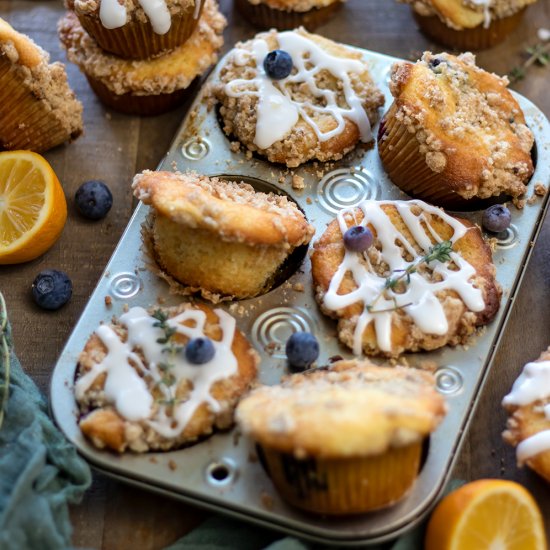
117, 146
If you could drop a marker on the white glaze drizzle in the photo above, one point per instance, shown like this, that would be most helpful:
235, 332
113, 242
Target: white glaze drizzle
128, 391
278, 111
486, 11
533, 384
425, 309
113, 15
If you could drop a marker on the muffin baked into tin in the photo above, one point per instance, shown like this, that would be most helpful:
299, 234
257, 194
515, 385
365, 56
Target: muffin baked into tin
222, 473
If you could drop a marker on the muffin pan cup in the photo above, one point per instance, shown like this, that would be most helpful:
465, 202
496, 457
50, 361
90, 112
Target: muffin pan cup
223, 473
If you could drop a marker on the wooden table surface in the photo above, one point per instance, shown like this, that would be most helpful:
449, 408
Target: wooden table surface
115, 147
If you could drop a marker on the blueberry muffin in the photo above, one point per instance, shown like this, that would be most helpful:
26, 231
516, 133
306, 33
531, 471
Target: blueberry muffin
163, 378
423, 279
294, 96
288, 14
145, 87
528, 426
345, 439
38, 110
454, 132
468, 24
134, 29
218, 237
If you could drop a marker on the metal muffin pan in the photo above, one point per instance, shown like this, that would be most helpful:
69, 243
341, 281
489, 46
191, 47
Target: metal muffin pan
221, 473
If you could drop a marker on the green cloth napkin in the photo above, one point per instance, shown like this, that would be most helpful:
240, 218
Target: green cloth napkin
40, 472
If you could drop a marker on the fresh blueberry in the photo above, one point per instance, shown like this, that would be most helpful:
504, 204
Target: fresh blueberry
93, 199
278, 64
52, 289
199, 350
358, 238
302, 349
496, 218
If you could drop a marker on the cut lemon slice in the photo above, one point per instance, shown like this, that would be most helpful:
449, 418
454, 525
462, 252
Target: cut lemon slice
33, 209
489, 514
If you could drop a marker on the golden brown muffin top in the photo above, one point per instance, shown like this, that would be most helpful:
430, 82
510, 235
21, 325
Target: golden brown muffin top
48, 82
138, 390
294, 5
322, 110
528, 426
468, 124
235, 211
467, 14
352, 408
161, 75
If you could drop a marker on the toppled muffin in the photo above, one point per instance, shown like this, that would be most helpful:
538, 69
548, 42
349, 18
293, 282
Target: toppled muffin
38, 110
220, 237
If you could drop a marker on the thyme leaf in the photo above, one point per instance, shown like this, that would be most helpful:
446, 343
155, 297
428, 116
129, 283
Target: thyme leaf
440, 252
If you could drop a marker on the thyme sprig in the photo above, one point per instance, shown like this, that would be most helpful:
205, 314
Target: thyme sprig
539, 54
171, 349
440, 252
4, 359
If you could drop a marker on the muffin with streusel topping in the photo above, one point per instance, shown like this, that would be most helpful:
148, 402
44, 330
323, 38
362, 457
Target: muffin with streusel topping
422, 280
219, 237
145, 87
288, 14
134, 29
38, 110
468, 24
344, 439
528, 425
162, 378
295, 96
454, 132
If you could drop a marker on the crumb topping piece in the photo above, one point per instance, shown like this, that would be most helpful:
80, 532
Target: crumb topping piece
469, 126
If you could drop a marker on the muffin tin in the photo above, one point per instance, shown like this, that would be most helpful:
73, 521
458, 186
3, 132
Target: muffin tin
222, 473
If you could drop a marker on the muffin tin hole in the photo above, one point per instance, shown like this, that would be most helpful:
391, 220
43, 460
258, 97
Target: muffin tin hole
448, 380
296, 258
220, 473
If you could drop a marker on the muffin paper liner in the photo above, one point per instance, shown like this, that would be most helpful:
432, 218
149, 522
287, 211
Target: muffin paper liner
347, 485
145, 105
26, 122
137, 40
478, 38
406, 166
264, 17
